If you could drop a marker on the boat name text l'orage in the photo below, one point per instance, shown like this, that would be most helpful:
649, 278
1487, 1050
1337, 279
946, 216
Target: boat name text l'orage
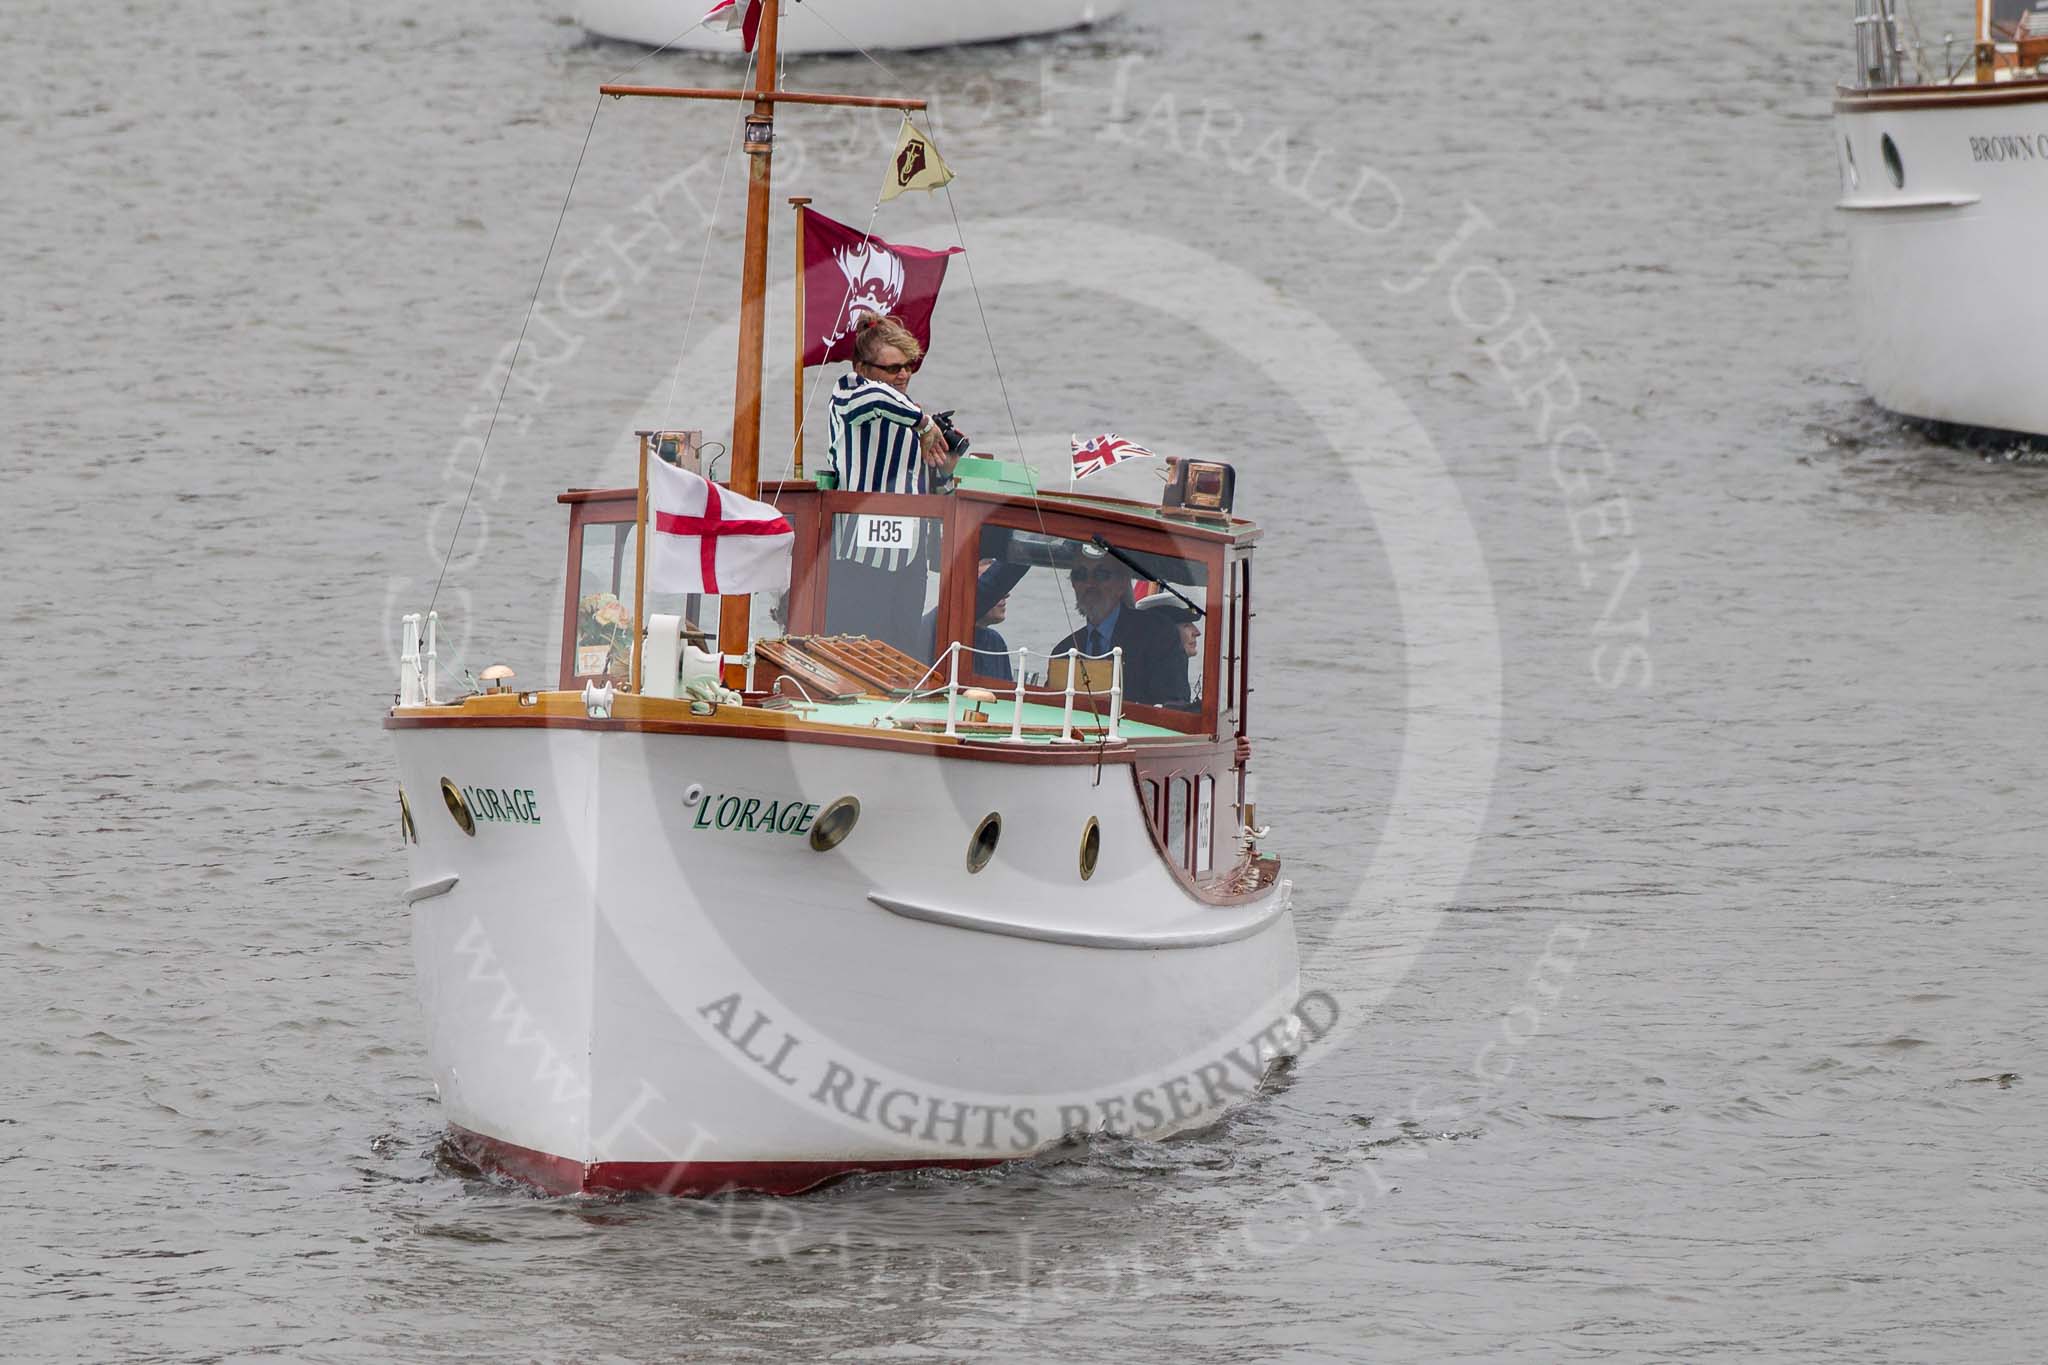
754, 814
503, 805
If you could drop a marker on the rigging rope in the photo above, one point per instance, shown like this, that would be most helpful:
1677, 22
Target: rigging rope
532, 305
1038, 513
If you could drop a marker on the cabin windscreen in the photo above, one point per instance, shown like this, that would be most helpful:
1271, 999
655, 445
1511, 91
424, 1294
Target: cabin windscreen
604, 605
1046, 594
884, 580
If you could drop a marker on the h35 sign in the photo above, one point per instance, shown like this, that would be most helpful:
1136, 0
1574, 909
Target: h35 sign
872, 532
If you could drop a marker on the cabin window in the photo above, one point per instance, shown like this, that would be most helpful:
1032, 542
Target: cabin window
1178, 813
1039, 596
604, 606
884, 580
2014, 20
1152, 811
604, 602
1205, 823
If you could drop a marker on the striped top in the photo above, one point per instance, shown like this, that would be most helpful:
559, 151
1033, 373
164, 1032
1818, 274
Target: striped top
875, 449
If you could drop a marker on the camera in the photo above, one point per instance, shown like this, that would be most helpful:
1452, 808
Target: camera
957, 445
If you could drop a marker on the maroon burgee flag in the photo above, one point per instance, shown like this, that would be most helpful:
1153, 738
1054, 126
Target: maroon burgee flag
848, 273
735, 15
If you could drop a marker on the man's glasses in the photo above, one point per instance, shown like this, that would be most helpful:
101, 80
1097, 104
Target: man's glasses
907, 367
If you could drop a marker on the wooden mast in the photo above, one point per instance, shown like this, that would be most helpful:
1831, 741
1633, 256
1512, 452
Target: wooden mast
735, 612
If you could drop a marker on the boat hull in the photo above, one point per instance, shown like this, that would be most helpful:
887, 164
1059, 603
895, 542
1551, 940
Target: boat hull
639, 974
885, 25
1943, 241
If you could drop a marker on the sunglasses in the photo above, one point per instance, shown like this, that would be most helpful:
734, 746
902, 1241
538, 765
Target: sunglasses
907, 367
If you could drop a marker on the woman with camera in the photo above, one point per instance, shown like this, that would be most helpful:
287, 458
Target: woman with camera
883, 442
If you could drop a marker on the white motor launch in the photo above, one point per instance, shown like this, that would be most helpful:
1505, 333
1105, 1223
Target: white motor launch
1944, 191
848, 25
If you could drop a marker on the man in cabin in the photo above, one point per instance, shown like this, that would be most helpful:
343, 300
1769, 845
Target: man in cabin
1169, 608
882, 442
1155, 661
1187, 626
991, 650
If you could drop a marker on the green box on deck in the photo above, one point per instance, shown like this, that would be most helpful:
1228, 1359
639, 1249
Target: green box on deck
986, 475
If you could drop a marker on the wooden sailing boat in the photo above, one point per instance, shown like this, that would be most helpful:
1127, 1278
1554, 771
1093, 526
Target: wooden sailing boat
1945, 187
814, 904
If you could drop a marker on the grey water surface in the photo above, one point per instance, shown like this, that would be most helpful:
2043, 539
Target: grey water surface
1729, 1041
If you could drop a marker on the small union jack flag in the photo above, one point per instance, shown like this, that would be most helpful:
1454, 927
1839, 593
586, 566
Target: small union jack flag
1094, 456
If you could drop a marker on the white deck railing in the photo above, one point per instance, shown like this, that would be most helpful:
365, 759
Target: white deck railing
1019, 693
1880, 48
416, 681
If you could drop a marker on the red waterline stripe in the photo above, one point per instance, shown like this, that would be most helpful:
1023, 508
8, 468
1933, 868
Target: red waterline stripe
560, 1175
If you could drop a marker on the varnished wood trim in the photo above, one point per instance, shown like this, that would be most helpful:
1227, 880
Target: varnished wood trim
939, 746
1085, 506
1162, 771
780, 488
663, 92
1938, 97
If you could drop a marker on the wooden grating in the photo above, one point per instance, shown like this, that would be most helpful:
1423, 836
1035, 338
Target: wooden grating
815, 677
886, 670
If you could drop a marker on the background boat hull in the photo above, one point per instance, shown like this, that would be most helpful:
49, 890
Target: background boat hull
879, 26
1945, 270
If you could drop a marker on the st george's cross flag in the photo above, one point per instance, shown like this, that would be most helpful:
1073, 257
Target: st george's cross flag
744, 15
705, 539
1094, 456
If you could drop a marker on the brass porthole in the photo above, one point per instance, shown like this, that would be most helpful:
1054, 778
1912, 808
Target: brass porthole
407, 833
834, 823
458, 806
982, 846
1091, 847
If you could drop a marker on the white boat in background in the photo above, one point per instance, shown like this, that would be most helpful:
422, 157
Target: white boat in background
846, 25
1945, 194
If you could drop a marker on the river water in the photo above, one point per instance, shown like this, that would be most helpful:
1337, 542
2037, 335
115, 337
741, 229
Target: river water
1709, 1026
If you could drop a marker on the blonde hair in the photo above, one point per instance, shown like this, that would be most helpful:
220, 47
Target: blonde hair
874, 332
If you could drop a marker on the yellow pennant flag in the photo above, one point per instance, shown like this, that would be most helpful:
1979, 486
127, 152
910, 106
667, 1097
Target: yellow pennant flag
917, 165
